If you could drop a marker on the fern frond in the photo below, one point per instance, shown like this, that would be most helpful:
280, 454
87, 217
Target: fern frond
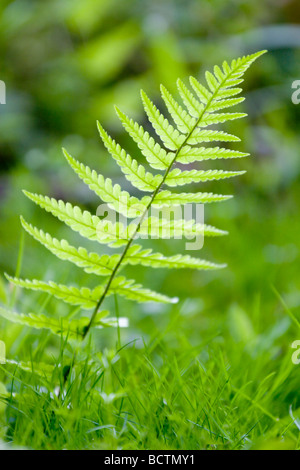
113, 195
133, 171
156, 156
88, 225
194, 107
198, 154
167, 198
162, 228
207, 135
73, 329
222, 82
201, 108
156, 260
90, 262
170, 136
132, 291
222, 104
87, 298
216, 118
184, 122
203, 94
84, 297
178, 177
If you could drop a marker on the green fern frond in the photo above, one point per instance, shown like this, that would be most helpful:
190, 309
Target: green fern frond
216, 118
178, 177
167, 198
134, 172
73, 329
202, 93
132, 291
113, 195
225, 104
84, 297
92, 263
199, 154
200, 108
170, 136
156, 156
207, 135
88, 225
162, 228
87, 298
194, 107
157, 260
184, 122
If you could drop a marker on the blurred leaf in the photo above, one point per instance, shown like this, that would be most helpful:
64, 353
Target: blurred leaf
240, 325
275, 444
88, 15
103, 58
3, 295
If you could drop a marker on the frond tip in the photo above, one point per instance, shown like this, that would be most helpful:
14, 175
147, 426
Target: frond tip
184, 138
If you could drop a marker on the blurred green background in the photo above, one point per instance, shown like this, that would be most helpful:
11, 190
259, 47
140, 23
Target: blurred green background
65, 65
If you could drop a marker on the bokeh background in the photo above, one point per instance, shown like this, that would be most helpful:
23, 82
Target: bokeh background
65, 65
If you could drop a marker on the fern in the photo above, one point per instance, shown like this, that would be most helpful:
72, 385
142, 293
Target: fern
72, 329
180, 136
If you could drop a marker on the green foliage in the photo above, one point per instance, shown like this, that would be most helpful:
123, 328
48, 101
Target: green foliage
62, 327
179, 140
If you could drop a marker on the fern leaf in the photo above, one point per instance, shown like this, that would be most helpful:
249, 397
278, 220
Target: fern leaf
134, 172
163, 228
177, 177
113, 195
222, 104
203, 94
212, 82
73, 329
166, 198
238, 67
168, 134
156, 156
198, 154
87, 298
83, 222
203, 104
215, 118
136, 292
222, 82
222, 85
184, 122
194, 107
90, 262
71, 295
207, 135
218, 95
156, 260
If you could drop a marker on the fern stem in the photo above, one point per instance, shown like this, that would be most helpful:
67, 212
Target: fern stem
103, 296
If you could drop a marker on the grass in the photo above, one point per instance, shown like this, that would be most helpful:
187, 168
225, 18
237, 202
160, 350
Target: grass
227, 392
